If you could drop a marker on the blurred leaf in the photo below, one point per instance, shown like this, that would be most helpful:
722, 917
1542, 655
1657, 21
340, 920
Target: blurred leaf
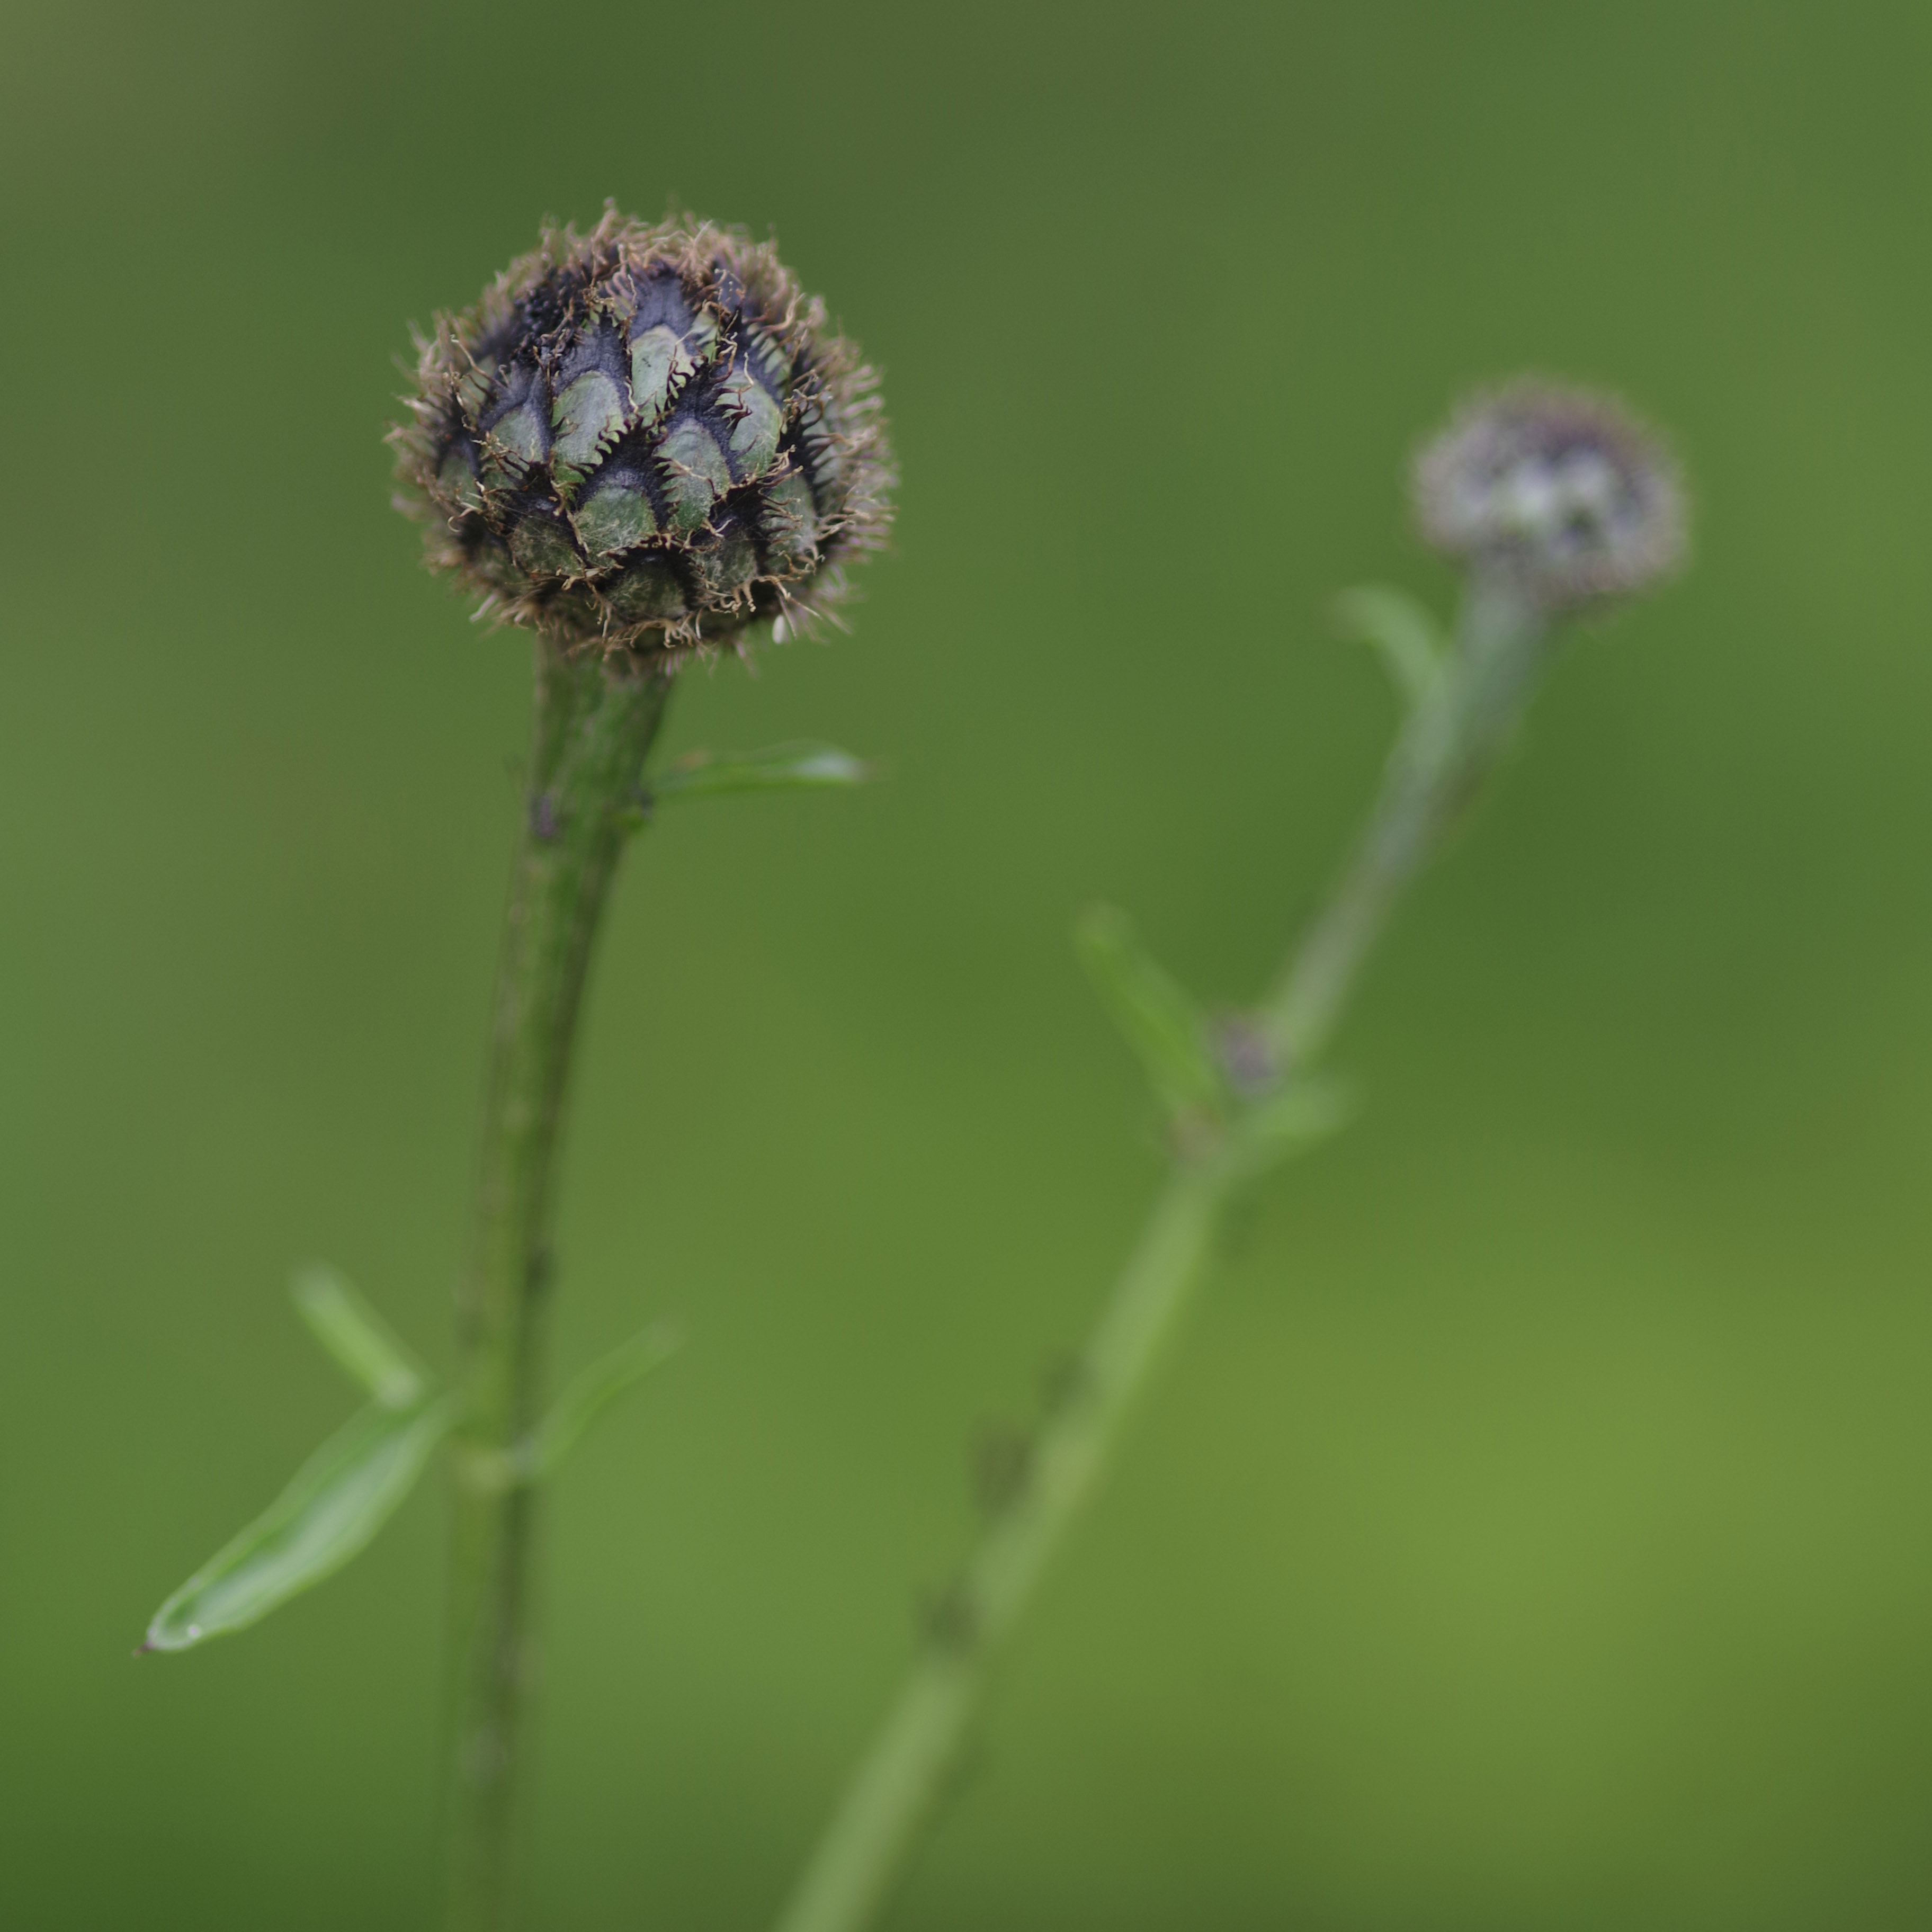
588, 1395
339, 1497
1289, 1121
1404, 633
705, 774
1162, 1023
358, 1338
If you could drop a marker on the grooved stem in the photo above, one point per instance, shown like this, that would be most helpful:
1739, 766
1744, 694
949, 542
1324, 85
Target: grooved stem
1451, 739
594, 724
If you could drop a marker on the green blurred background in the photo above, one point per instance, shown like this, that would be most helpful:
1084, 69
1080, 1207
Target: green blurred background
1536, 1531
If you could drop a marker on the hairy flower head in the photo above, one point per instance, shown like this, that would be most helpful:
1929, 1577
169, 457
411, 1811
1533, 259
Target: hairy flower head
645, 437
1559, 491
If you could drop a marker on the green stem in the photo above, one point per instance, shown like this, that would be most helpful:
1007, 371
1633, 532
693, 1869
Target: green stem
594, 724
908, 1767
1451, 739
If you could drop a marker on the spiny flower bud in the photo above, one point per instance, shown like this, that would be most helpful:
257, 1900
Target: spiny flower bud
1559, 492
647, 436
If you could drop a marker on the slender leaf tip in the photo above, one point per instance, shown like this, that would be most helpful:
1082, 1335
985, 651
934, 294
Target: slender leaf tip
1157, 1016
588, 1393
327, 1513
1403, 632
364, 1346
780, 768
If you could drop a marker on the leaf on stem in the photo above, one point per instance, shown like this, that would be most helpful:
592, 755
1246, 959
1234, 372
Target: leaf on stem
1292, 1119
339, 1498
1161, 1022
358, 1338
784, 767
1405, 636
588, 1395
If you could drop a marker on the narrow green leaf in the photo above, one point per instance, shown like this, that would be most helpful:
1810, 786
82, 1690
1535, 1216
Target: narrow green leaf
339, 1498
1162, 1023
1293, 1119
358, 1338
1404, 633
709, 774
588, 1395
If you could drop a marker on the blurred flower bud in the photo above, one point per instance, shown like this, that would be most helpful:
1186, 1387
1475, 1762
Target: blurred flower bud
1557, 491
647, 436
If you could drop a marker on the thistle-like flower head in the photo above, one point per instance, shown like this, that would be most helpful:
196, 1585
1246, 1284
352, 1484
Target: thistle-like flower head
646, 437
1558, 491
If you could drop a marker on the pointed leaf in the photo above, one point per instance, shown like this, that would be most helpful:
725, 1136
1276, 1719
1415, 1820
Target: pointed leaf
1403, 632
708, 774
358, 1338
588, 1395
339, 1497
1162, 1023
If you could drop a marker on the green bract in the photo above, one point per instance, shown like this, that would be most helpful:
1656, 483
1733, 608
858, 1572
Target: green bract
647, 436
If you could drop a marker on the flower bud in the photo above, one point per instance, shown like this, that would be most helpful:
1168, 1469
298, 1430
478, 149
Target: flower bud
645, 437
1557, 492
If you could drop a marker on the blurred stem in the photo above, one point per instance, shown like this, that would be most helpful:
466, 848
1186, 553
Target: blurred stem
594, 724
1451, 738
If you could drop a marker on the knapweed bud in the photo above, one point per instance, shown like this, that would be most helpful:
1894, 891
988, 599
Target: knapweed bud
645, 437
1558, 492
